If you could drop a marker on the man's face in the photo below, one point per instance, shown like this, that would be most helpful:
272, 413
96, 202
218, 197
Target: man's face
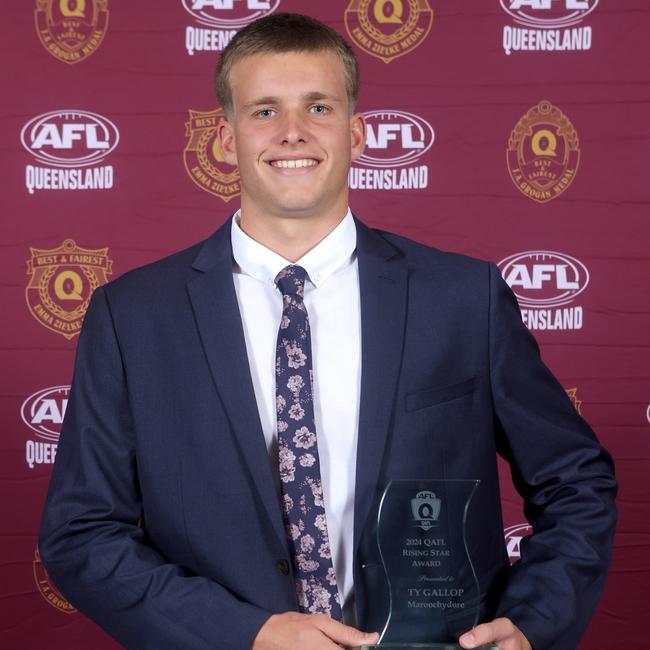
291, 134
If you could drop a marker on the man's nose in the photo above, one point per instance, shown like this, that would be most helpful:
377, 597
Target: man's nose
294, 128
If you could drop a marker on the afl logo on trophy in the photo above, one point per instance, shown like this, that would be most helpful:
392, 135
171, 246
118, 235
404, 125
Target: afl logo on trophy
71, 30
388, 29
202, 157
426, 509
61, 283
543, 153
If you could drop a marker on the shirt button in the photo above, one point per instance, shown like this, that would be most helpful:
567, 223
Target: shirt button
283, 566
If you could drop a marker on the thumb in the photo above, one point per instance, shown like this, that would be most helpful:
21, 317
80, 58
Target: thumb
480, 635
348, 635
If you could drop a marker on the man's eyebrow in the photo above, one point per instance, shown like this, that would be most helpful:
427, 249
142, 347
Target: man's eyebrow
262, 100
313, 96
316, 96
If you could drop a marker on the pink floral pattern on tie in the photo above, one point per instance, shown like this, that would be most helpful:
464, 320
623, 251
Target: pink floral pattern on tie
302, 491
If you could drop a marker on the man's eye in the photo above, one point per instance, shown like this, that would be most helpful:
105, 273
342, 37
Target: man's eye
266, 112
319, 108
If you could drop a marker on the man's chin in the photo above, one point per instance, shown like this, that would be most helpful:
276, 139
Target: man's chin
296, 207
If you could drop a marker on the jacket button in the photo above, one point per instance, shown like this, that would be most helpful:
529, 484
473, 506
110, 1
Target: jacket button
283, 566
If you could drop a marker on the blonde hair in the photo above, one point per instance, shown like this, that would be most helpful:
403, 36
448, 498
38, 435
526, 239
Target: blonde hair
285, 32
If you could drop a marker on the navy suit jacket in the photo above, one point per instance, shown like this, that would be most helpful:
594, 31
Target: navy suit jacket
163, 521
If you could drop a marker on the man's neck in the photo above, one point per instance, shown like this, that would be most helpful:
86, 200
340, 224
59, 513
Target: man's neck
290, 237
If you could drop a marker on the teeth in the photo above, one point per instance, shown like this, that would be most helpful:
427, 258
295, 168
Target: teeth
292, 164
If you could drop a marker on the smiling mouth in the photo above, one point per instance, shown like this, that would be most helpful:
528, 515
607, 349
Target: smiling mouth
294, 164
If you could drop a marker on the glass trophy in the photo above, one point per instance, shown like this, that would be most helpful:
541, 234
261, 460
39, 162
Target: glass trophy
421, 534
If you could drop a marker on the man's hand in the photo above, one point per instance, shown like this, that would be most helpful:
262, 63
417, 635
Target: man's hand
501, 632
293, 631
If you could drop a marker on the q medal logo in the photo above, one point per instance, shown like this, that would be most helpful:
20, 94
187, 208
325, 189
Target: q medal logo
388, 29
202, 157
61, 283
47, 589
543, 153
71, 30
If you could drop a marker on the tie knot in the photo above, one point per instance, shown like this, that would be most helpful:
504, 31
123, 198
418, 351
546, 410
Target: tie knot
291, 281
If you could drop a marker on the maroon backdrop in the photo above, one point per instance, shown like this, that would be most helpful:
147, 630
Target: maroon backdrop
512, 130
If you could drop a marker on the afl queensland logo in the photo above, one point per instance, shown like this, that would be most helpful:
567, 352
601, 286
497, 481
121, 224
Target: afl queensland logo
71, 30
546, 14
220, 20
544, 282
547, 25
43, 412
229, 14
544, 278
69, 138
395, 139
388, 29
71, 144
514, 536
543, 153
396, 142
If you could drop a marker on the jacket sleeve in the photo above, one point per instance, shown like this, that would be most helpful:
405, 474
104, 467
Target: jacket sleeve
565, 478
90, 541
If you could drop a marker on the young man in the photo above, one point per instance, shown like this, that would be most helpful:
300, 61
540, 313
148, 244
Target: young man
239, 407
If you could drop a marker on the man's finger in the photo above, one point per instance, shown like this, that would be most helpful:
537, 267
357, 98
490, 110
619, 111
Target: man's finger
501, 631
345, 634
497, 630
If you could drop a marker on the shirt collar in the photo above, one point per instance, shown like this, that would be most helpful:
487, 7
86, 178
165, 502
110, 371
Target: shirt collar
322, 261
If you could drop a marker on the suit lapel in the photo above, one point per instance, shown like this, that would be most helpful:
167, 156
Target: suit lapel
383, 284
383, 280
216, 310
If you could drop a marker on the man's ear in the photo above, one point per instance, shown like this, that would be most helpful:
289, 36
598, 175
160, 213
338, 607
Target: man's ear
226, 137
357, 135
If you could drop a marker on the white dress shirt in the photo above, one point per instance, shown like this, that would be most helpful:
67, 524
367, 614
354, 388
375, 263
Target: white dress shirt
333, 307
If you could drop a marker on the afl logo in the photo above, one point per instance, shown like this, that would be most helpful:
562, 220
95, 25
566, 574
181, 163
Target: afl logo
544, 14
71, 30
395, 139
69, 138
43, 412
544, 278
543, 153
388, 29
513, 536
240, 12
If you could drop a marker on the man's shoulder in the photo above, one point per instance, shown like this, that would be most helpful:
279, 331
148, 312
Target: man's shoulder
424, 258
172, 272
166, 273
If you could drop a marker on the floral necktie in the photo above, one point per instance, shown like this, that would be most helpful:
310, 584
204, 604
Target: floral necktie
300, 479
